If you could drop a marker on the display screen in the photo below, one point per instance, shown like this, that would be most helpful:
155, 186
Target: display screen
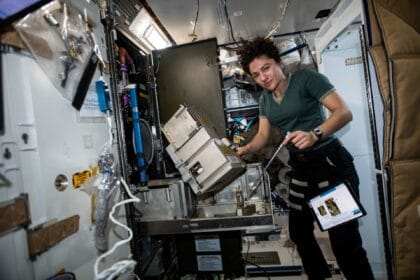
12, 9
336, 206
2, 124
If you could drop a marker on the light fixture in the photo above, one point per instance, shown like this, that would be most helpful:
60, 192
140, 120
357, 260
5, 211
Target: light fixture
148, 32
153, 36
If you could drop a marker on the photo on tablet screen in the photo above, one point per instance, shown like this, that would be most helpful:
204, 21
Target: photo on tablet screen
336, 206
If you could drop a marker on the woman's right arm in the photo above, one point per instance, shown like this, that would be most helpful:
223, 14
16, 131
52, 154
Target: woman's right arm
260, 139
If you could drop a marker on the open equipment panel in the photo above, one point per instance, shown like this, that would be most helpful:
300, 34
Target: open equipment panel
168, 205
197, 184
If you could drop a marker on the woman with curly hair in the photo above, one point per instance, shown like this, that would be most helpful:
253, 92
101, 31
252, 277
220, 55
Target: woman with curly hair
294, 103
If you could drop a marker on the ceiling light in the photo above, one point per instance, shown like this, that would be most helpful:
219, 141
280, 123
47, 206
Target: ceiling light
154, 38
148, 32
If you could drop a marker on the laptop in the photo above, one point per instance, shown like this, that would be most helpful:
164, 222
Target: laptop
11, 10
336, 206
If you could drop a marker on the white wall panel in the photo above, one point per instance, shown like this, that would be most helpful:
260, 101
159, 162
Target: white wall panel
342, 63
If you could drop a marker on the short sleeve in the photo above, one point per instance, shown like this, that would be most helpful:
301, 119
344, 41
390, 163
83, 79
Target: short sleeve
263, 105
317, 84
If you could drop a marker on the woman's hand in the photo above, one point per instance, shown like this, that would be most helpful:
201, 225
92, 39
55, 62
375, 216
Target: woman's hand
301, 139
240, 151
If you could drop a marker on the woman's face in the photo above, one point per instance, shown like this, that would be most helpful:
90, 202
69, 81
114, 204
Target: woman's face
266, 72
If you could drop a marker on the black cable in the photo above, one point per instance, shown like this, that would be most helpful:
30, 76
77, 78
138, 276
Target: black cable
230, 24
257, 184
261, 268
247, 254
195, 22
261, 177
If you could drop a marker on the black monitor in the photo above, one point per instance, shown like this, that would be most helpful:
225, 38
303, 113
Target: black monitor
11, 10
190, 74
2, 124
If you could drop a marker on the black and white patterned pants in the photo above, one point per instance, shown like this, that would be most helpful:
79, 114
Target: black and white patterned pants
312, 172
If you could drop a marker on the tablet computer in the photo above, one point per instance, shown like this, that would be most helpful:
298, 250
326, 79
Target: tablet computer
336, 206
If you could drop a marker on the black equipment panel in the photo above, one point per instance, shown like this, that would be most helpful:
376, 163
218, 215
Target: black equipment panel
190, 74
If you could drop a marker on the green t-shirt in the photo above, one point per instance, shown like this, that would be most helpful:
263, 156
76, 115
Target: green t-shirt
301, 107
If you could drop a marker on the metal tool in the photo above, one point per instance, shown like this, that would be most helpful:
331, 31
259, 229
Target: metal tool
258, 183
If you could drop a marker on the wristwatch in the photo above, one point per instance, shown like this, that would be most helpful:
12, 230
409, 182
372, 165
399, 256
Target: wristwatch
318, 133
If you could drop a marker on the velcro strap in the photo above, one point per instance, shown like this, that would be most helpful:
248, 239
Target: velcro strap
14, 213
324, 184
295, 206
299, 183
296, 194
41, 239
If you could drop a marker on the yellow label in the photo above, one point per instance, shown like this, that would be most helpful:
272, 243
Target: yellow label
238, 139
95, 170
80, 178
353, 60
145, 96
225, 150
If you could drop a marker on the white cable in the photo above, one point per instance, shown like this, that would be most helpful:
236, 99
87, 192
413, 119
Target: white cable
274, 29
109, 121
65, 22
124, 265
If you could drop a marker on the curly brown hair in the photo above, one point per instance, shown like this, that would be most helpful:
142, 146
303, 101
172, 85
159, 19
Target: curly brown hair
255, 48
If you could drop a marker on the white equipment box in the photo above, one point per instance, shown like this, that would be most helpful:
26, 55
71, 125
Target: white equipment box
205, 162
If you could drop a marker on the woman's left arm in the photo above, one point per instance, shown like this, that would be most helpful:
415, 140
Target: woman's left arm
340, 114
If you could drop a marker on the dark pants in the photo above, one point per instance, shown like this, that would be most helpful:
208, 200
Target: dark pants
332, 164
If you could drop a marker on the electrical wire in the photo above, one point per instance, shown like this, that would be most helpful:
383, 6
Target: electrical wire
219, 12
261, 268
158, 64
277, 26
246, 255
260, 178
123, 265
135, 275
255, 186
193, 35
109, 121
229, 22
